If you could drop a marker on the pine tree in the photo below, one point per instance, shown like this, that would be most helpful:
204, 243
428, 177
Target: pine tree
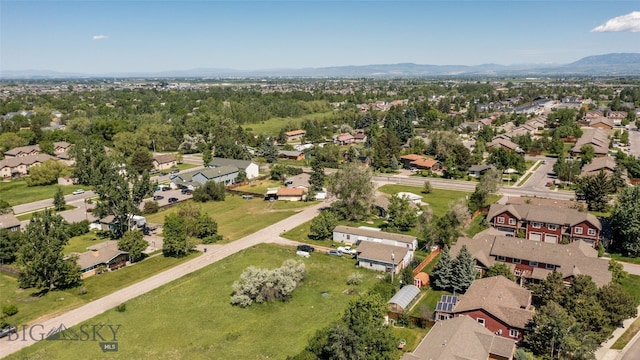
464, 270
443, 272
58, 200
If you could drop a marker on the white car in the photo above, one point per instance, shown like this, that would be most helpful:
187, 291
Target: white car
347, 250
78, 192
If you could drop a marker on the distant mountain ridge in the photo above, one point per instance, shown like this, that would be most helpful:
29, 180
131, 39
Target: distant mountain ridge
607, 64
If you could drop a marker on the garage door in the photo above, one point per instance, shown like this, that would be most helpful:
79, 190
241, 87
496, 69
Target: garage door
551, 239
535, 236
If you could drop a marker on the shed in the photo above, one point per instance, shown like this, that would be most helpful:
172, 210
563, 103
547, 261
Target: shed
421, 279
401, 300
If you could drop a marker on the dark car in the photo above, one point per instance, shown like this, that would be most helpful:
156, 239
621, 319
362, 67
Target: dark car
172, 200
164, 173
175, 171
334, 252
186, 191
307, 248
158, 197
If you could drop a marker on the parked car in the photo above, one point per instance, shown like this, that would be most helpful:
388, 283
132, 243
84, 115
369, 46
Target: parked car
78, 192
175, 171
186, 191
347, 250
303, 253
7, 331
305, 247
158, 197
172, 200
334, 252
164, 173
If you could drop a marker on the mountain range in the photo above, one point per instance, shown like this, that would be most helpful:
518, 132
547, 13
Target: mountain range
615, 64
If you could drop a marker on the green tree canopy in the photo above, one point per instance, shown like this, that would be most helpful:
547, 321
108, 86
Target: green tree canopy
354, 189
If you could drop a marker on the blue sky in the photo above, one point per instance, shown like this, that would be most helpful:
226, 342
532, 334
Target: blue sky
96, 37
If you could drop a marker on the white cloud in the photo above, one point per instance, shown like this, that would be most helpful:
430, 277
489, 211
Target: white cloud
99, 37
629, 22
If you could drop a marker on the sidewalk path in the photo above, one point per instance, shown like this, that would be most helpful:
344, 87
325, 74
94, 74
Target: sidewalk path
605, 352
215, 253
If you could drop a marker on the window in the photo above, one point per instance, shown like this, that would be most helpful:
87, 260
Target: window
348, 237
552, 226
513, 333
536, 225
501, 258
550, 266
591, 232
512, 221
533, 263
500, 220
481, 321
516, 261
577, 230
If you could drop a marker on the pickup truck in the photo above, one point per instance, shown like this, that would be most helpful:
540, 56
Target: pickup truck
347, 250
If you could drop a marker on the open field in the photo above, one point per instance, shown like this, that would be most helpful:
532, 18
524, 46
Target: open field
16, 192
80, 243
53, 303
274, 125
237, 217
438, 200
191, 318
259, 186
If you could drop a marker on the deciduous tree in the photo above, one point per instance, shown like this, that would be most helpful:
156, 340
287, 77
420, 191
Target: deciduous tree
322, 225
401, 215
134, 243
176, 242
58, 200
354, 189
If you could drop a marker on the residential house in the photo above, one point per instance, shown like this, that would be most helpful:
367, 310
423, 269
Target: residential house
543, 223
192, 179
479, 170
250, 168
604, 163
602, 123
164, 161
360, 138
592, 114
501, 142
105, 256
532, 261
295, 135
403, 298
497, 303
9, 222
344, 139
65, 180
20, 165
597, 137
291, 155
291, 194
22, 151
354, 235
382, 257
470, 126
555, 203
462, 338
617, 116
61, 148
419, 162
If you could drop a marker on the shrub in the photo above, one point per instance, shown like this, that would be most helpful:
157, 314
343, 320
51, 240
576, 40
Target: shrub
150, 207
10, 310
354, 279
264, 285
78, 228
211, 239
122, 307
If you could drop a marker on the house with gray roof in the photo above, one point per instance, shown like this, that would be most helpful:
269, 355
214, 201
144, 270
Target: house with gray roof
545, 223
403, 298
354, 235
195, 178
249, 167
382, 257
105, 256
532, 261
604, 163
598, 138
9, 222
462, 338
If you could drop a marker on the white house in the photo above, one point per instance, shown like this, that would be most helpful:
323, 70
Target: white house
249, 167
348, 234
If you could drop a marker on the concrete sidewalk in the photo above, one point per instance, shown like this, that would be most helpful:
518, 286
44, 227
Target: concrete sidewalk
605, 352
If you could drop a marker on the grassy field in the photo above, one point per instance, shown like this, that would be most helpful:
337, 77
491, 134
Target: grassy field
191, 318
16, 192
274, 125
475, 226
632, 285
412, 336
80, 243
260, 186
619, 257
32, 307
438, 200
233, 213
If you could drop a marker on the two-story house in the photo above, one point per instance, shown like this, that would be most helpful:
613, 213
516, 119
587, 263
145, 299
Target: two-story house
544, 223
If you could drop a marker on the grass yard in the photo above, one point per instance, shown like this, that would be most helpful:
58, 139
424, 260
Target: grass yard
16, 192
428, 301
80, 243
191, 318
260, 186
624, 339
476, 225
632, 285
53, 303
439, 200
412, 335
237, 217
186, 166
274, 125
620, 257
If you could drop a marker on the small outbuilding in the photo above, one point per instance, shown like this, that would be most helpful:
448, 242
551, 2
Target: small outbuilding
403, 298
421, 279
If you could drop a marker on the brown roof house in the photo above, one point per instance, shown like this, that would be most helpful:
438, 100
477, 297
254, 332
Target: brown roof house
21, 151
103, 257
20, 165
295, 134
462, 338
497, 303
597, 137
164, 161
604, 163
382, 257
291, 194
9, 222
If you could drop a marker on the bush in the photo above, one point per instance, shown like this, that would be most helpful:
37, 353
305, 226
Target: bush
264, 285
354, 279
10, 310
122, 307
77, 229
210, 191
211, 239
150, 207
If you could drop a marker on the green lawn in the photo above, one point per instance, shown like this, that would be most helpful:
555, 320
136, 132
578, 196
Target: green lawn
439, 200
620, 257
624, 339
412, 336
429, 301
80, 243
476, 226
260, 186
191, 318
53, 303
274, 125
16, 192
632, 285
28, 216
237, 217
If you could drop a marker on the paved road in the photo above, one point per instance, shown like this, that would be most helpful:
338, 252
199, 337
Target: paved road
75, 200
269, 234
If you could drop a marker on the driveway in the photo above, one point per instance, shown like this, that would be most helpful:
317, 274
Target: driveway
215, 253
541, 176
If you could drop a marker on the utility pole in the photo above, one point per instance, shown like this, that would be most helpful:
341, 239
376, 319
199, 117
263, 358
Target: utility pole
393, 265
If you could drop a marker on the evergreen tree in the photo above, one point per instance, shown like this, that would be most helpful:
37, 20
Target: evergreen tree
463, 270
596, 190
58, 200
442, 274
625, 221
316, 180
